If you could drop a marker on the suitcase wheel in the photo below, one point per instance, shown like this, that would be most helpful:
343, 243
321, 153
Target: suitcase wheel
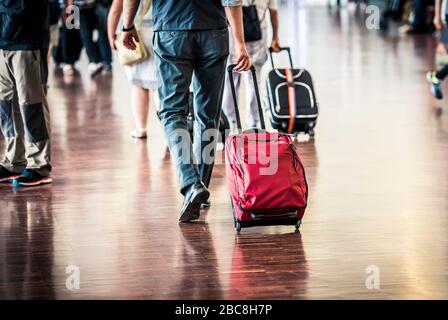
238, 226
298, 225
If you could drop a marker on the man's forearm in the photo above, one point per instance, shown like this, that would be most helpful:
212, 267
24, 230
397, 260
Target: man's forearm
129, 10
274, 23
438, 9
235, 18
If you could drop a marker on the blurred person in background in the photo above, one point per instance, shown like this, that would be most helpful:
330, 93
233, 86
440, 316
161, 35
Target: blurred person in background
141, 75
87, 24
258, 54
68, 50
435, 78
69, 46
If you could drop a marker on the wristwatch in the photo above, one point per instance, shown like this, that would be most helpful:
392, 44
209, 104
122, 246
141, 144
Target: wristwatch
127, 29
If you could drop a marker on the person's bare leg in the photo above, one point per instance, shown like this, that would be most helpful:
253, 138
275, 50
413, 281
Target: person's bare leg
140, 109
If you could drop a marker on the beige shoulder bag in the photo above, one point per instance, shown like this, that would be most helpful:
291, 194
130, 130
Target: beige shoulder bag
128, 57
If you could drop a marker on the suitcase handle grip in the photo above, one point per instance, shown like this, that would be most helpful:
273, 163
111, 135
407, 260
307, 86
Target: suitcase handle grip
235, 99
288, 49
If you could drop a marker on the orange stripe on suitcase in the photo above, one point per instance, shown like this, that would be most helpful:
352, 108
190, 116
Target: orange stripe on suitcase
291, 100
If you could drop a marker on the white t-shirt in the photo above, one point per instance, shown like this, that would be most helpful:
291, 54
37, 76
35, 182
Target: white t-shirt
262, 8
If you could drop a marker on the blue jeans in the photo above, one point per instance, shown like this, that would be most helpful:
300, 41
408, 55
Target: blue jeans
183, 57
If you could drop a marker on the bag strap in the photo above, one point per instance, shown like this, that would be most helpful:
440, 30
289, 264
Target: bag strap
235, 99
143, 13
291, 100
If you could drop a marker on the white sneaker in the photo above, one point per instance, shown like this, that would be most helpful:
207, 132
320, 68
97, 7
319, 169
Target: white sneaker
95, 69
138, 134
68, 69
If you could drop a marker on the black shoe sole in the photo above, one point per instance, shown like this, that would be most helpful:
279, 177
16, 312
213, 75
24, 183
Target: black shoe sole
191, 212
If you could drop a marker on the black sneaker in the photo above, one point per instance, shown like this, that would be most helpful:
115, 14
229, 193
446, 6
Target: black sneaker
6, 175
31, 178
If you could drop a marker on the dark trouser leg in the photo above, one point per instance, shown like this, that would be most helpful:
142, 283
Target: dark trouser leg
175, 62
87, 19
419, 15
442, 73
105, 51
209, 76
70, 45
103, 41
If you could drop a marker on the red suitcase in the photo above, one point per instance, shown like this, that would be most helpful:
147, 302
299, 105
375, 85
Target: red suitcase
264, 174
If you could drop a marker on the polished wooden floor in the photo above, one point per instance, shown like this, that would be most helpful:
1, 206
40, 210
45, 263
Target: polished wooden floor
377, 170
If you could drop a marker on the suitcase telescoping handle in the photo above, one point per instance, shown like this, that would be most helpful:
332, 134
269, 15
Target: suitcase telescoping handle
287, 49
235, 99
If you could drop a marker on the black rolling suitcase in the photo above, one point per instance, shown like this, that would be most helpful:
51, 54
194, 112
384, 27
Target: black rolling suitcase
291, 99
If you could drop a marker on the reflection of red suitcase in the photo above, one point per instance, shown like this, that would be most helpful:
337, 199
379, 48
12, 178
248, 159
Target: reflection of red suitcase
264, 173
257, 257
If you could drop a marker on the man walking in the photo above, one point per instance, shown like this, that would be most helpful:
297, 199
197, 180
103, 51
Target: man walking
191, 42
24, 114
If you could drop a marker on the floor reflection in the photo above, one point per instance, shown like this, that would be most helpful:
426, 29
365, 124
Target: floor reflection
200, 274
261, 262
26, 242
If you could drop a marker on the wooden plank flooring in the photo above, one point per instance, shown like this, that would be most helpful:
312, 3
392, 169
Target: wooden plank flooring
377, 170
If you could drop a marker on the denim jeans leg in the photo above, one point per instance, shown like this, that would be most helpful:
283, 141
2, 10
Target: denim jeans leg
174, 72
208, 84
